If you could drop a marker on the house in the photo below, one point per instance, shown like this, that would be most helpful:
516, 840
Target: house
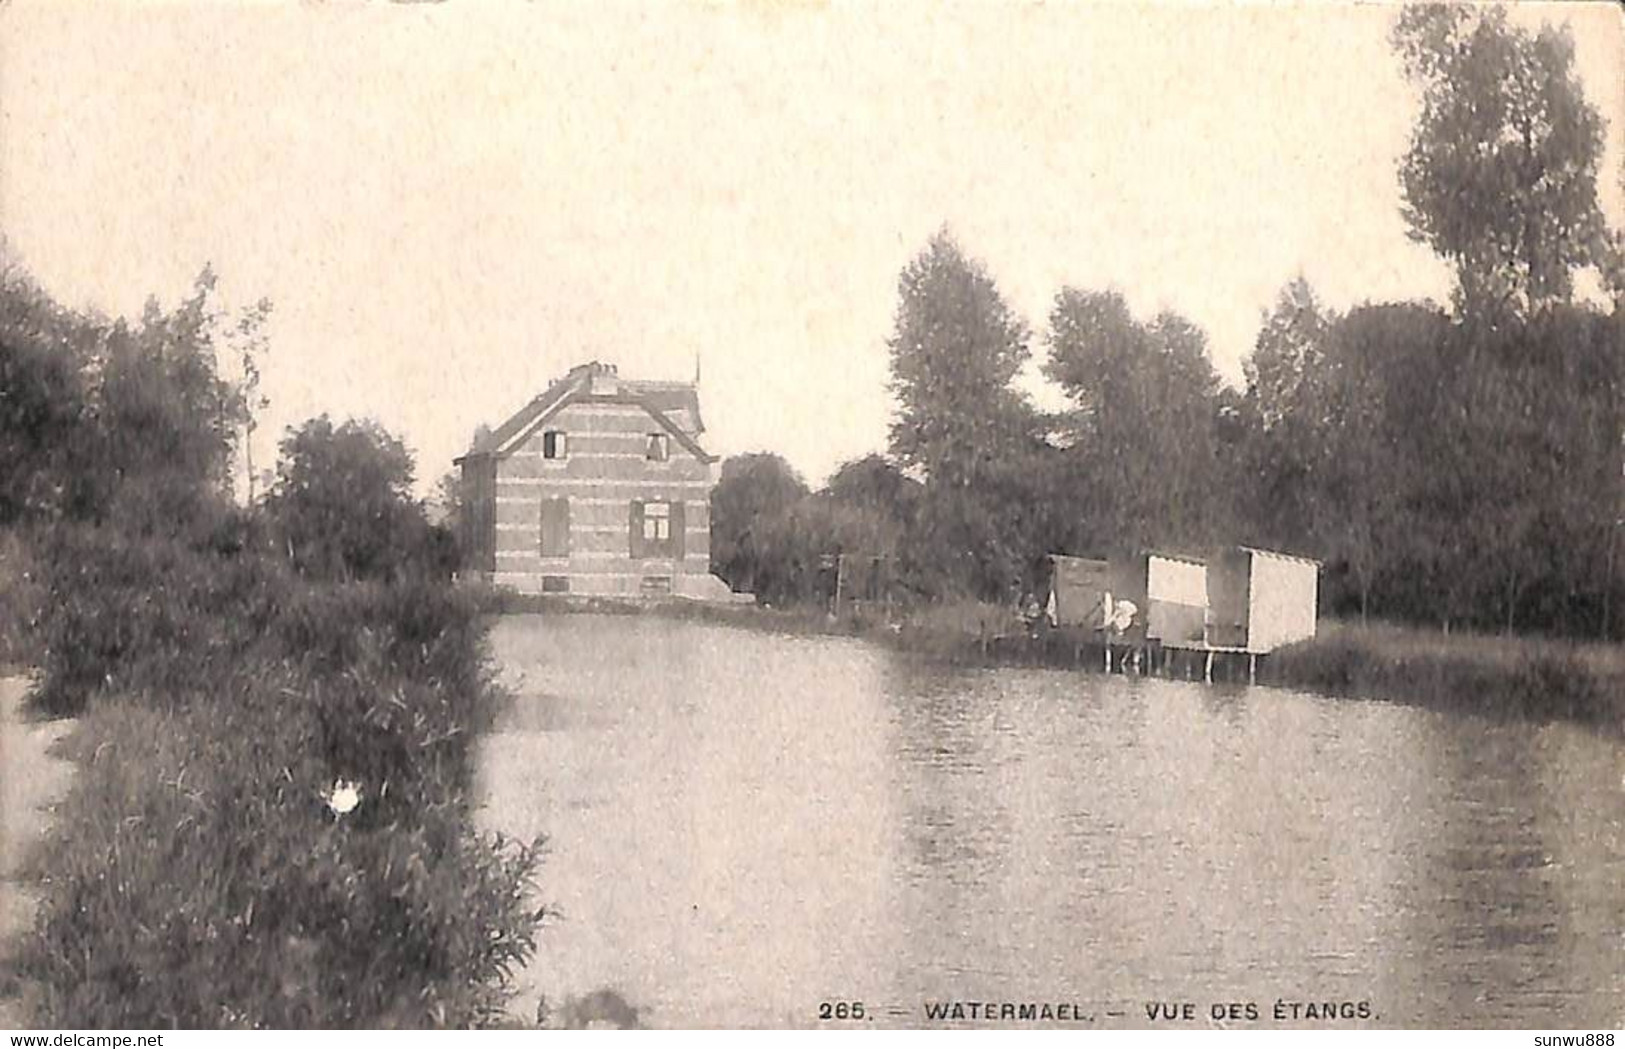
597, 487
1259, 600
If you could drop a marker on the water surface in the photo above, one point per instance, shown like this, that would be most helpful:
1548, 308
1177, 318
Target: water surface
745, 825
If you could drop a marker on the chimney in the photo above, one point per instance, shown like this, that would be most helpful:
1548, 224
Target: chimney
603, 379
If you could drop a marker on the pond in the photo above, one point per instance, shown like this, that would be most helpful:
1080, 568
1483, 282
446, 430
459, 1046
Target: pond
745, 826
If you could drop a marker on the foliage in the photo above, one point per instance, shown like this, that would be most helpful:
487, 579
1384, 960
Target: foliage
198, 879
166, 420
46, 431
343, 509
956, 348
1536, 679
1144, 427
753, 492
146, 614
233, 666
1500, 178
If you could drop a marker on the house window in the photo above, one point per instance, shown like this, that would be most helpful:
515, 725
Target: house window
554, 445
555, 528
555, 584
656, 522
655, 529
659, 447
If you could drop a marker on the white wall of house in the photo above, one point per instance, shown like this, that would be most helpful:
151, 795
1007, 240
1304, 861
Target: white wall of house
1282, 596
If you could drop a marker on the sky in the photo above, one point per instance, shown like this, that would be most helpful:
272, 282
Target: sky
449, 204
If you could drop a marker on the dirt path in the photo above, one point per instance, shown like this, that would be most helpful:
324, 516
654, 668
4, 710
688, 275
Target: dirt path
32, 781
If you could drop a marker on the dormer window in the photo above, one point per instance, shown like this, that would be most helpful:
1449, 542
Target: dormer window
659, 449
554, 445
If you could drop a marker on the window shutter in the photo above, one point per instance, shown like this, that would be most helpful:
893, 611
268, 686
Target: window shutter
634, 530
555, 527
677, 539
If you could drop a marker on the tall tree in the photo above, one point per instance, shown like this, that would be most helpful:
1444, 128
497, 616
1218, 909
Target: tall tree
1500, 178
1144, 421
1365, 433
956, 347
167, 418
1286, 404
47, 437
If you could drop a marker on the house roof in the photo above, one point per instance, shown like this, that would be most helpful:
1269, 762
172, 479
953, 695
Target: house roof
656, 398
669, 397
1298, 558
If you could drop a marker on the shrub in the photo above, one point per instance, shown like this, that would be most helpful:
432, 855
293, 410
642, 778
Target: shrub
342, 507
22, 599
199, 879
154, 614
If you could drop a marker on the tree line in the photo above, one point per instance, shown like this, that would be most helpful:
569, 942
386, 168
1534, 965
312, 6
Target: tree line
1450, 464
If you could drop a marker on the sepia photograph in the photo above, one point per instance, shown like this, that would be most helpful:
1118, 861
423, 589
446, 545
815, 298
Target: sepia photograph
985, 516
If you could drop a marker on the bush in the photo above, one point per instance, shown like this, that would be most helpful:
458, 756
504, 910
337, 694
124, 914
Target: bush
199, 877
342, 506
22, 600
153, 614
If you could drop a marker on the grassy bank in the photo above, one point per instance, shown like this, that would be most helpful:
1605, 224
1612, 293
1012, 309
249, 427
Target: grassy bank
270, 824
949, 632
1536, 679
1508, 677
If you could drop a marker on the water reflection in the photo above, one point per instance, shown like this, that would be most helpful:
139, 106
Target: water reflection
747, 825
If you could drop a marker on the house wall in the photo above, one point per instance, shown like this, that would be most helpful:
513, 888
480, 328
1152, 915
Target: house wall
1282, 597
480, 514
1080, 586
1176, 593
1229, 598
605, 471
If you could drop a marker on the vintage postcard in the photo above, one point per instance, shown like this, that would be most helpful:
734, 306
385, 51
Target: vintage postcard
847, 516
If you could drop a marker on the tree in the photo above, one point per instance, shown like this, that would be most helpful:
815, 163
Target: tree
1144, 421
1371, 449
342, 505
166, 420
1286, 412
753, 493
876, 486
956, 346
1286, 360
46, 420
248, 339
1500, 178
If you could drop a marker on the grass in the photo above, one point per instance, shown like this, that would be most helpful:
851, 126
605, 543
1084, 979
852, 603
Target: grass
206, 869
1529, 678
